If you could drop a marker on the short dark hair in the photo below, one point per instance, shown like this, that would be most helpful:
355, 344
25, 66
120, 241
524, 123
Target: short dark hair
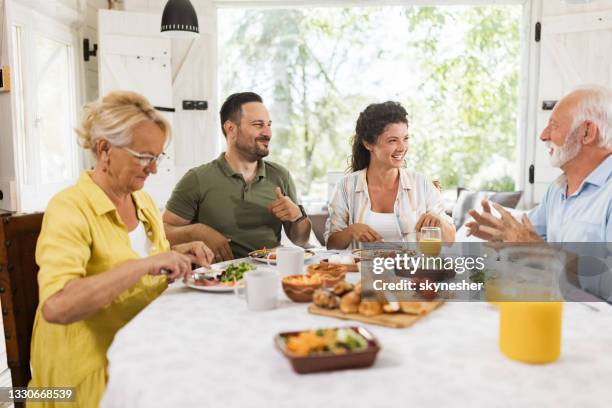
232, 107
370, 124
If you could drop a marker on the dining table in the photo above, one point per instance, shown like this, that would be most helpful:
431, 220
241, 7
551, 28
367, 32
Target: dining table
191, 348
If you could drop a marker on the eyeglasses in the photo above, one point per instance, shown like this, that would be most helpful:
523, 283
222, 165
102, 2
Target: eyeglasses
146, 159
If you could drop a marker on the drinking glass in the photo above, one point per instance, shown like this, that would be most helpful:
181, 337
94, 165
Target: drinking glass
430, 241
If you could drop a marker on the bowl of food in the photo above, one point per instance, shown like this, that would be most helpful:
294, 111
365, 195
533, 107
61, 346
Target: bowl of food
348, 262
329, 274
328, 349
300, 288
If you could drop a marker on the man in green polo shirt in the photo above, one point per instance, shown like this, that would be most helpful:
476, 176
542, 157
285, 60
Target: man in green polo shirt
238, 202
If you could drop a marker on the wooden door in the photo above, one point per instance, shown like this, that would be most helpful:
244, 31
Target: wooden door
575, 50
134, 57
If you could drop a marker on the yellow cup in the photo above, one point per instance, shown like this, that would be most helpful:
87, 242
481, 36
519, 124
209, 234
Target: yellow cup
530, 331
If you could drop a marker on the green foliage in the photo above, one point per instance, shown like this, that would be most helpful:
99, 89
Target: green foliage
454, 68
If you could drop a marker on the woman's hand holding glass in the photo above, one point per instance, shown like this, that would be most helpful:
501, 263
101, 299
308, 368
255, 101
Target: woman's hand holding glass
428, 220
363, 233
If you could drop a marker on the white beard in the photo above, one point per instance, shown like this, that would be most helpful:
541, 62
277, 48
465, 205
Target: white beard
565, 153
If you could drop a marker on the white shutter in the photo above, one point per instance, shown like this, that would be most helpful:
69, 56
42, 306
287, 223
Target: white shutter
575, 50
133, 56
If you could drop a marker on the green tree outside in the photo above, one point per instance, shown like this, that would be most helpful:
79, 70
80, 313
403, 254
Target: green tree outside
454, 68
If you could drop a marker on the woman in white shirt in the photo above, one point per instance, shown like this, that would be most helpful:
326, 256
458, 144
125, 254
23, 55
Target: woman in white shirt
380, 200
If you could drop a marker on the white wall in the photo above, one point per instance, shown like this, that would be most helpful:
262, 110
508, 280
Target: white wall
197, 139
561, 8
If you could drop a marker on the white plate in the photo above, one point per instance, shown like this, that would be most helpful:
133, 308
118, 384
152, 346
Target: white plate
214, 270
216, 288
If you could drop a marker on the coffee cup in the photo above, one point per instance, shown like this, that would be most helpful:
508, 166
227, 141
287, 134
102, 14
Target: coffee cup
260, 288
290, 260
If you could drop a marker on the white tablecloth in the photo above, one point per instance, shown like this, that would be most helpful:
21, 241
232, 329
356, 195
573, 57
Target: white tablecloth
197, 349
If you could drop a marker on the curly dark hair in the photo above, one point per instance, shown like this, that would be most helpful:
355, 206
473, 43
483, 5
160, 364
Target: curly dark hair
370, 124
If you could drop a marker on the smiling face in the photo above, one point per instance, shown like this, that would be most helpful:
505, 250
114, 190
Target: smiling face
124, 170
562, 142
252, 137
391, 146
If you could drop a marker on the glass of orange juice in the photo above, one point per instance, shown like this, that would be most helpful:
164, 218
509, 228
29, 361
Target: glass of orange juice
530, 305
430, 242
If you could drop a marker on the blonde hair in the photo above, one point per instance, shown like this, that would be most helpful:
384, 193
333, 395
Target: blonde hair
113, 118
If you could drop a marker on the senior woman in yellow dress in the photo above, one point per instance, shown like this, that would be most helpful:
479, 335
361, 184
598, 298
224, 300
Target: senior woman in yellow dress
381, 200
102, 252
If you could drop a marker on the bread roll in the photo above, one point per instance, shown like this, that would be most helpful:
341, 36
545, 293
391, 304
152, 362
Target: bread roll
370, 308
342, 287
325, 298
350, 302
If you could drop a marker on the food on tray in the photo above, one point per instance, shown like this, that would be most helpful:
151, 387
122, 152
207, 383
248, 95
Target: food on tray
391, 307
342, 348
370, 308
350, 302
343, 287
325, 298
415, 308
323, 341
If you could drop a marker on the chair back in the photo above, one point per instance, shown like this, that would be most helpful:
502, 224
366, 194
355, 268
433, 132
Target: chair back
19, 289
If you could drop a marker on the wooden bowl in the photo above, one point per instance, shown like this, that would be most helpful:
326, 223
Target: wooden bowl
348, 267
300, 288
330, 274
326, 269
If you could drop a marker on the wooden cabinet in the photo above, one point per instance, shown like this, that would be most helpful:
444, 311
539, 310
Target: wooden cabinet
18, 289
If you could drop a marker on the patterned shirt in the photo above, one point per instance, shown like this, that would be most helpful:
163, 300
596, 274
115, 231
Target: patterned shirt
416, 195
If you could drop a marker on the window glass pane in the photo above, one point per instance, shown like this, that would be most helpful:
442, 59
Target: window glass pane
454, 68
54, 109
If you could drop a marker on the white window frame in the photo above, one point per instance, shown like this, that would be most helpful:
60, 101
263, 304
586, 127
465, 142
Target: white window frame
32, 194
528, 74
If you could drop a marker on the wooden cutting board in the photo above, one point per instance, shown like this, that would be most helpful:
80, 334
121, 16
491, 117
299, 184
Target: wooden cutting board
395, 320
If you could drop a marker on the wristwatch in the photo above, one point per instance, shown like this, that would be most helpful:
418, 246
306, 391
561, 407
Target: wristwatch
304, 215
